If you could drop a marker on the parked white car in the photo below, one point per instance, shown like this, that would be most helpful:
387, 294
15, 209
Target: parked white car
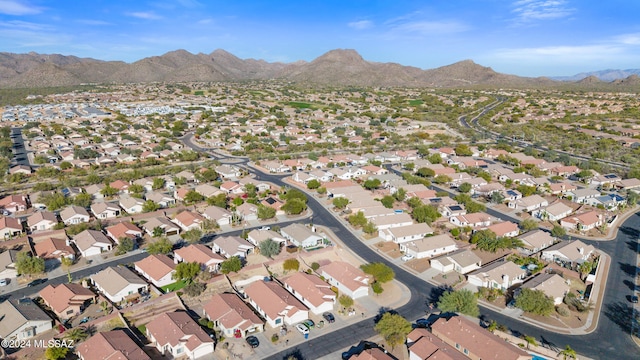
3, 282
304, 330
407, 257
264, 228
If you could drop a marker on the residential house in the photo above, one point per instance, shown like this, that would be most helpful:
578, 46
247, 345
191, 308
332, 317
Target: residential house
67, 300
124, 229
157, 268
219, 215
429, 247
581, 196
534, 241
207, 190
570, 253
461, 261
232, 188
114, 344
275, 304
607, 201
301, 235
161, 199
228, 171
422, 345
229, 246
553, 212
14, 203
582, 222
247, 211
562, 187
257, 236
528, 203
119, 284
189, 220
475, 342
54, 248
387, 222
22, 319
474, 220
505, 229
10, 227
487, 190
92, 242
628, 184
552, 285
498, 275
8, 264
312, 291
275, 167
451, 210
403, 234
105, 210
349, 280
176, 334
42, 220
131, 205
165, 226
203, 255
232, 316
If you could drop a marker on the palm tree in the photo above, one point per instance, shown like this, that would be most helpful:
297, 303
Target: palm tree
568, 352
530, 341
77, 334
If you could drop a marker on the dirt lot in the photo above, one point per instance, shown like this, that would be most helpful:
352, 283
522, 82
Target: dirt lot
419, 265
389, 248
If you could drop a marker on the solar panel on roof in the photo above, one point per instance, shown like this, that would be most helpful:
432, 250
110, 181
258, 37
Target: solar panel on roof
456, 208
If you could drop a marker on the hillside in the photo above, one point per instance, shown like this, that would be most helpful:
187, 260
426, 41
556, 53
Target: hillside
335, 68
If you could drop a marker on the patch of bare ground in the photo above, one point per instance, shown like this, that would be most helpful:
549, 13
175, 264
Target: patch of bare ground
451, 279
419, 265
389, 248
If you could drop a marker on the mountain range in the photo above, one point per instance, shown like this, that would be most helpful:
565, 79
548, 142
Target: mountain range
341, 67
602, 75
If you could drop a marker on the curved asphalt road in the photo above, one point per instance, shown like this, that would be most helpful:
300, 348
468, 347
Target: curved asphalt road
611, 339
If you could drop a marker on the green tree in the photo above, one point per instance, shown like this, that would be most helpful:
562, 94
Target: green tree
464, 187
54, 201
186, 271
292, 194
400, 194
108, 191
125, 245
463, 150
380, 271
340, 202
219, 200
393, 328
387, 201
558, 231
29, 265
83, 200
528, 225
160, 246
150, 206
358, 219
535, 302
313, 184
77, 334
291, 264
192, 236
232, 264
496, 197
192, 196
442, 179
460, 301
56, 352
435, 158
425, 214
136, 189
530, 341
370, 228
65, 165
526, 190
568, 353
269, 248
265, 212
377, 288
372, 184
158, 183
585, 268
426, 172
294, 206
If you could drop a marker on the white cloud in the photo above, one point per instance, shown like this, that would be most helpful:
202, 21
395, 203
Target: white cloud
25, 26
360, 25
531, 10
430, 27
628, 39
93, 22
13, 7
148, 15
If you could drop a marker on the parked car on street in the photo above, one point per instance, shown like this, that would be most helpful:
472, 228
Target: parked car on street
407, 257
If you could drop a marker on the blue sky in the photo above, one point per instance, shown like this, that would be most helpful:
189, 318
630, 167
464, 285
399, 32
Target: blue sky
522, 37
